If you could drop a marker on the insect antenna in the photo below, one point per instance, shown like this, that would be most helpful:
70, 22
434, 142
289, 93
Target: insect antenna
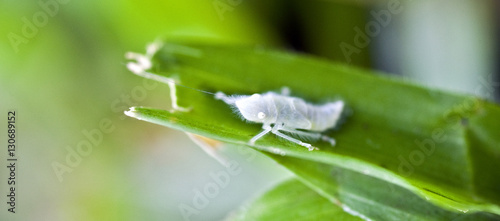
196, 89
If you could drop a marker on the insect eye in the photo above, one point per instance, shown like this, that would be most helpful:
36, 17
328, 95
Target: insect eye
261, 115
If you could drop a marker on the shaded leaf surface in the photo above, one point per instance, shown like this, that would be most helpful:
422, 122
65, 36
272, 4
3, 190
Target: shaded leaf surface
372, 197
292, 200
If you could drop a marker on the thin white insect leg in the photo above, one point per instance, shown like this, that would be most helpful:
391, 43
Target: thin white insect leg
329, 140
169, 81
286, 137
266, 130
311, 135
173, 98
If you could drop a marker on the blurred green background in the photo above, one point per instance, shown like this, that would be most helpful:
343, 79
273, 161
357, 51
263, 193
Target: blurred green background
63, 72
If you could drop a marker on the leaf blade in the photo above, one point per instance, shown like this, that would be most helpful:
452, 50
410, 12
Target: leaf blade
410, 136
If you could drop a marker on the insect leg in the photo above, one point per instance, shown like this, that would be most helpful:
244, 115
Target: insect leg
286, 137
328, 139
266, 130
311, 135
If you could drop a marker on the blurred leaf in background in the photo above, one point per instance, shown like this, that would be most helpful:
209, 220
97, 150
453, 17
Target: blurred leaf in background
67, 77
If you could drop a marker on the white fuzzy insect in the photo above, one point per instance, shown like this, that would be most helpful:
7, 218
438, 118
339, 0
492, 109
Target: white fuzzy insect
281, 112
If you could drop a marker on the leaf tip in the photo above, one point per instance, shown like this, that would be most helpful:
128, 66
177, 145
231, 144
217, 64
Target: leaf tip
132, 112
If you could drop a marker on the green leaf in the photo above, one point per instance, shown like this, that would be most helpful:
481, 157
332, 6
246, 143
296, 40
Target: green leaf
292, 200
441, 146
370, 196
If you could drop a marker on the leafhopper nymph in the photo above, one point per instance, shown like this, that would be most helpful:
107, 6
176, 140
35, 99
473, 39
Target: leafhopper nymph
283, 113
